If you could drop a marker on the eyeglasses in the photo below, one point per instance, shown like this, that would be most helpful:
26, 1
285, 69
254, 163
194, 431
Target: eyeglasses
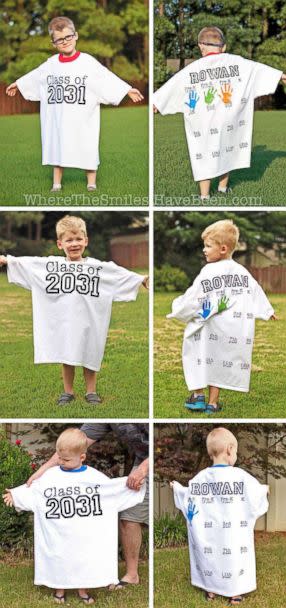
65, 39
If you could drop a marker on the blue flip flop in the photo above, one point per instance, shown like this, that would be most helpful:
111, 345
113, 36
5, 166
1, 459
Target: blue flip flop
196, 404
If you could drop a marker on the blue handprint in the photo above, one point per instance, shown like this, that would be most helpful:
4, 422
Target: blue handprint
193, 100
191, 510
207, 308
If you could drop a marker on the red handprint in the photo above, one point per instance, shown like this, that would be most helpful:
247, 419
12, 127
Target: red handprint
226, 93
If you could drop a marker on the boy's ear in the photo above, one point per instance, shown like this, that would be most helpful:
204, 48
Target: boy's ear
59, 244
83, 457
76, 35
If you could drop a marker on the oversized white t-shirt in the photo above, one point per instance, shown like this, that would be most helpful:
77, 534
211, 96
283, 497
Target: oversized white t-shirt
220, 309
72, 304
221, 506
70, 94
216, 95
76, 526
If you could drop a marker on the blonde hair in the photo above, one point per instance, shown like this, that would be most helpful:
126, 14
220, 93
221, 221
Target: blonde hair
59, 23
212, 35
223, 232
73, 440
218, 440
70, 223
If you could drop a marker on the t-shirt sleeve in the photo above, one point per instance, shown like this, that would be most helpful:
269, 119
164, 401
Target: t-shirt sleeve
265, 79
180, 493
186, 306
257, 496
29, 84
24, 498
127, 284
109, 88
124, 497
262, 307
169, 99
19, 271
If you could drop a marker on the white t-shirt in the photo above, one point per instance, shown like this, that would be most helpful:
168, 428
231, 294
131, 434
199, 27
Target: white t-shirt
76, 526
220, 309
216, 95
72, 304
221, 506
70, 94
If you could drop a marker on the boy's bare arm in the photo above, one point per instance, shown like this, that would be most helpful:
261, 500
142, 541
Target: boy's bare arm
3, 260
12, 89
135, 95
8, 498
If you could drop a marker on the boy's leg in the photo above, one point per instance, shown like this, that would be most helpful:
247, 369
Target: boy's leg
91, 179
90, 380
57, 176
213, 395
205, 186
223, 182
68, 378
59, 596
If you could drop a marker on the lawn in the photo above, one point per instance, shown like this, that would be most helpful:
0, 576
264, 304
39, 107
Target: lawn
260, 185
31, 391
266, 398
18, 591
173, 589
123, 170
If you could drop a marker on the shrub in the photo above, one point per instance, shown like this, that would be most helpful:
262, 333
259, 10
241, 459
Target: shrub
15, 468
168, 278
170, 531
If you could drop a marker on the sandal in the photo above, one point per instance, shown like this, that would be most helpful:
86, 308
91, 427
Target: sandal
212, 409
86, 599
235, 600
209, 597
56, 188
65, 398
195, 404
93, 398
91, 187
59, 599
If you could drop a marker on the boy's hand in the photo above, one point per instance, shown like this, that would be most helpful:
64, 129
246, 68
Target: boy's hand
145, 282
155, 110
171, 484
8, 499
12, 89
274, 318
3, 260
135, 95
283, 78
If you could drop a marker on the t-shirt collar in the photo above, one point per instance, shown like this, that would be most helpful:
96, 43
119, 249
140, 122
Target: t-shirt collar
64, 59
82, 468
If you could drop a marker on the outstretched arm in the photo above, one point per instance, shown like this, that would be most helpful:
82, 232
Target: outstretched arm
12, 89
3, 260
135, 95
145, 282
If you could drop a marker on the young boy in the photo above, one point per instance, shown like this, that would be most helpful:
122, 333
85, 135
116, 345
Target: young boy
70, 87
216, 95
220, 309
221, 506
75, 520
72, 302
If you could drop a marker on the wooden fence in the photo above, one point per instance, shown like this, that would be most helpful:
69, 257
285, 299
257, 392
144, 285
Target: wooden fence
130, 251
271, 278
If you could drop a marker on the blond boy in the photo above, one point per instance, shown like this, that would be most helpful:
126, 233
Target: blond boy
72, 303
75, 520
221, 505
70, 87
216, 95
220, 310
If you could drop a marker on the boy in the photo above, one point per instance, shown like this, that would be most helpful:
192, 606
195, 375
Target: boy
75, 509
72, 302
220, 309
70, 87
216, 95
221, 506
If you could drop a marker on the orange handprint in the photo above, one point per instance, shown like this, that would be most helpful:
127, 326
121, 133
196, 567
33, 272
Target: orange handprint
226, 93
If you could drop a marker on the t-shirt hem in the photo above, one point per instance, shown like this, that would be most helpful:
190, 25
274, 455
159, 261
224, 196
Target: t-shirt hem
66, 362
222, 172
76, 585
70, 165
241, 591
217, 385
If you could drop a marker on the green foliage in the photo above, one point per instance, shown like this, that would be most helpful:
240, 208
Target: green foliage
15, 468
170, 531
168, 278
124, 69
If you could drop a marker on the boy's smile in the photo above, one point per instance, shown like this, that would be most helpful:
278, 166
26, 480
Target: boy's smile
64, 46
73, 243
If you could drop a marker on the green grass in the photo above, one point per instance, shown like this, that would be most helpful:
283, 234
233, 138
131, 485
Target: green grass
18, 591
173, 175
266, 398
173, 589
31, 391
123, 170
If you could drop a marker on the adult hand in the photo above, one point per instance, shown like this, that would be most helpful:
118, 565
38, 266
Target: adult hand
136, 478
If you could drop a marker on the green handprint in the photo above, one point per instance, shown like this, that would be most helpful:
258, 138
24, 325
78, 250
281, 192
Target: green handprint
222, 304
210, 95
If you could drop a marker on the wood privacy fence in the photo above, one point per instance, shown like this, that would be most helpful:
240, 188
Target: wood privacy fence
271, 278
130, 251
19, 105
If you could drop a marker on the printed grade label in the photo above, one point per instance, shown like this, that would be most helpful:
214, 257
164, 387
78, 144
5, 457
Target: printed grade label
68, 89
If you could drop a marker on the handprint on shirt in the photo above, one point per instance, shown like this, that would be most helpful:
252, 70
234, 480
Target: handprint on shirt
210, 95
222, 304
193, 100
207, 308
191, 511
226, 93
